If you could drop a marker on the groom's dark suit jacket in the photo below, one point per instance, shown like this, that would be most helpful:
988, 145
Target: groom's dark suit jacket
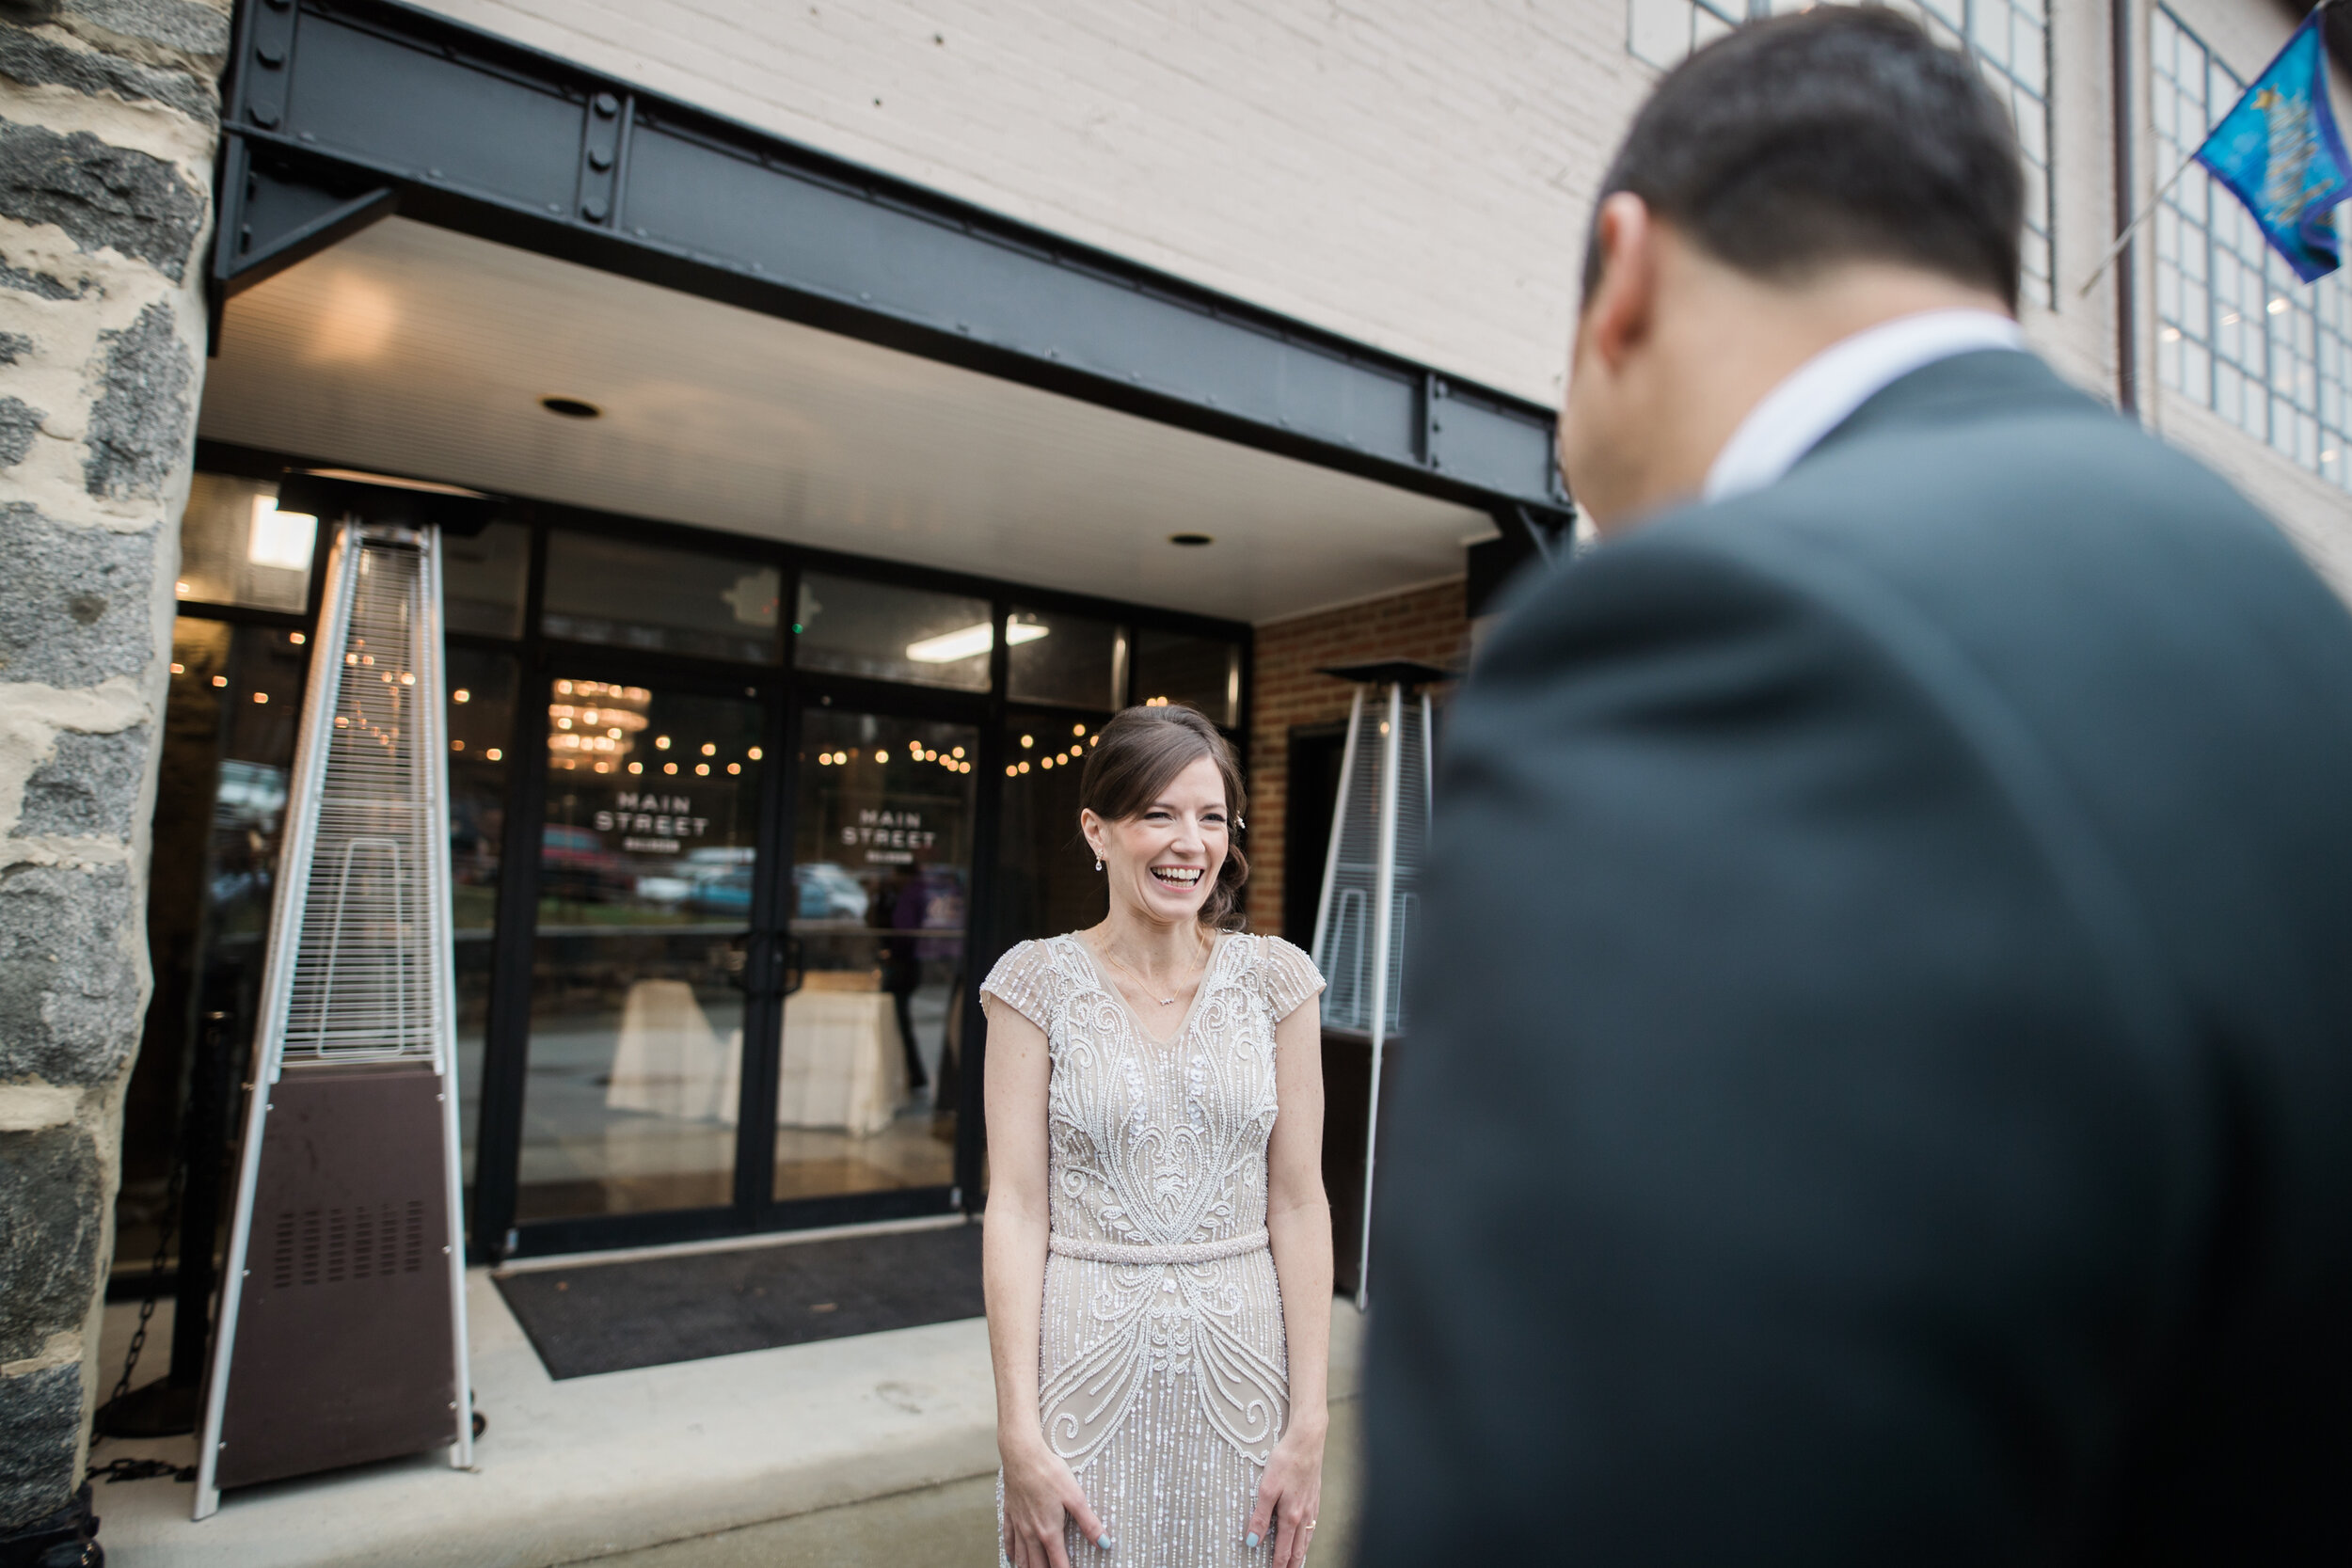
1880, 1083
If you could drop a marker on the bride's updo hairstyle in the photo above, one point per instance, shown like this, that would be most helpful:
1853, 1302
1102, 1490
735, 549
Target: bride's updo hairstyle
1139, 753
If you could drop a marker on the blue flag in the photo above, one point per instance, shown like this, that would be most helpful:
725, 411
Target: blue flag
2278, 152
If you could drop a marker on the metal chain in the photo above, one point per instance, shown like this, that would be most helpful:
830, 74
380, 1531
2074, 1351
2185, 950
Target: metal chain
172, 1188
139, 1469
175, 1187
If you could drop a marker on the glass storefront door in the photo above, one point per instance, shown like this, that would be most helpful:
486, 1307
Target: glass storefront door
869, 1073
649, 842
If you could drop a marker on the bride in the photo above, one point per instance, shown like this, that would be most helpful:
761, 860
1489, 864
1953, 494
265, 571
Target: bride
1158, 1249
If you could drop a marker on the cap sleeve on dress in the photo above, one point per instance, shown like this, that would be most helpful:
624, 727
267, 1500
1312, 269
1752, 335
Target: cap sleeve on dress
1018, 982
1288, 977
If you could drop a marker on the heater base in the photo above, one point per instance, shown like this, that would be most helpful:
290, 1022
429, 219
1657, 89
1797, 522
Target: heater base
345, 1331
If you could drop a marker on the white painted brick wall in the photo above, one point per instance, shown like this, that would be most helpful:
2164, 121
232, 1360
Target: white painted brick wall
1408, 172
1412, 173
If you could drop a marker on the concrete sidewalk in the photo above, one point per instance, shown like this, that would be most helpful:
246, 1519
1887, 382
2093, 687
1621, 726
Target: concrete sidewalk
817, 1453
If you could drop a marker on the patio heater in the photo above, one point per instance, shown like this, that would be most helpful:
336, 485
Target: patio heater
342, 1326
1365, 915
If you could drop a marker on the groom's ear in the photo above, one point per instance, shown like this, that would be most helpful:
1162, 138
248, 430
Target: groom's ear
1620, 309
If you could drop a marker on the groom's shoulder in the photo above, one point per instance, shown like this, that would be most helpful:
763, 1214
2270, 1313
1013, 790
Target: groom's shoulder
2049, 521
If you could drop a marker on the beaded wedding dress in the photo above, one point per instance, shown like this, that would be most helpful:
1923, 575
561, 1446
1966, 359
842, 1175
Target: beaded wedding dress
1162, 1375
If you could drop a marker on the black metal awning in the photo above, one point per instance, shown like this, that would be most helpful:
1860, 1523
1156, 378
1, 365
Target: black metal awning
342, 112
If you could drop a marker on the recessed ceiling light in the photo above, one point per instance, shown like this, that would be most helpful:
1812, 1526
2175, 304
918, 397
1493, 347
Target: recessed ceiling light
1191, 540
571, 408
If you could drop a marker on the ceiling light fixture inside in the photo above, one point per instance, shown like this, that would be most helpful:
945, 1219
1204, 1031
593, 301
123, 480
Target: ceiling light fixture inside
971, 641
283, 540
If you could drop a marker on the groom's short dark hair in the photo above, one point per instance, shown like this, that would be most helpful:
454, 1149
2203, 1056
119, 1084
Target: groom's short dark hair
1841, 133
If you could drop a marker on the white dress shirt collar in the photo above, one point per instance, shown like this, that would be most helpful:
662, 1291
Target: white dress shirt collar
1816, 397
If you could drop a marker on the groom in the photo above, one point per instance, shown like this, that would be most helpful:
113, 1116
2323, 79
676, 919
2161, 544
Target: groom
1882, 1085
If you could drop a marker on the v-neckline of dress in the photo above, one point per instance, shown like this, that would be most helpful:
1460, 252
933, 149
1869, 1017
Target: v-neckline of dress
1135, 1020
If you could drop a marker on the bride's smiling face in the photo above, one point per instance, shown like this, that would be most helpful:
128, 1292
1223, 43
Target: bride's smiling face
1162, 862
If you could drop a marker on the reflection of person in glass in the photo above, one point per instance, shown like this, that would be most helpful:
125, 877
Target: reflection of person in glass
1158, 1249
898, 906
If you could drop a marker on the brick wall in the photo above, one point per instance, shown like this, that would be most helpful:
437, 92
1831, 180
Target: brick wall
1423, 624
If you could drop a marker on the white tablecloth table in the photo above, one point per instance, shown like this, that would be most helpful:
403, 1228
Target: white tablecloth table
843, 1064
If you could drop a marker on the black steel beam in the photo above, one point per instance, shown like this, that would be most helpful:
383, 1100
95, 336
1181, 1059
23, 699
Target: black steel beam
340, 111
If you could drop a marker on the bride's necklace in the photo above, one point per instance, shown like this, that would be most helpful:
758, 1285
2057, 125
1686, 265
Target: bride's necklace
1163, 1001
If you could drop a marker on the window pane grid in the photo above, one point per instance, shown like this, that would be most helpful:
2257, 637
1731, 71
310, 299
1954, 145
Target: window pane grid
2008, 38
2236, 331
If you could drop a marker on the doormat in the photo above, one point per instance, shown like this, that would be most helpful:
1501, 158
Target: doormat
651, 1312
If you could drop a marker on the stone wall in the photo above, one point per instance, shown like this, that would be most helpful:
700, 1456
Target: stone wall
1423, 623
107, 122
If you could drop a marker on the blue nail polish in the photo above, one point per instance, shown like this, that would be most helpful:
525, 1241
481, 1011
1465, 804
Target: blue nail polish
1252, 1542
1104, 1540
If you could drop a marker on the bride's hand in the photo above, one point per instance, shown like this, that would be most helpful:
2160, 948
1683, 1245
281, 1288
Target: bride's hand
1289, 1494
1038, 1491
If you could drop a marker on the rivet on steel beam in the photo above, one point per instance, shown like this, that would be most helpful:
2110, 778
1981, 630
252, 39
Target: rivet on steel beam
606, 106
600, 158
594, 211
433, 174
270, 55
265, 119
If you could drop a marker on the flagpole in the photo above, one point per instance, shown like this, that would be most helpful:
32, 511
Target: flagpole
2136, 224
2162, 191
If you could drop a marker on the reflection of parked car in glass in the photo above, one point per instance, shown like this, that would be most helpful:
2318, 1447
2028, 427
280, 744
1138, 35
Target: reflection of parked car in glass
574, 866
827, 891
720, 879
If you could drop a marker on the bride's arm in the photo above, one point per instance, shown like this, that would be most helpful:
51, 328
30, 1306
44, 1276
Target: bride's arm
1298, 1220
1038, 1487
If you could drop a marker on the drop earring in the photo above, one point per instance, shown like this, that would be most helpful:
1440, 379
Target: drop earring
1098, 862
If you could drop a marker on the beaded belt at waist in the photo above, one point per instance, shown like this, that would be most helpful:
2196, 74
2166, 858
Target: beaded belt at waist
1182, 1252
